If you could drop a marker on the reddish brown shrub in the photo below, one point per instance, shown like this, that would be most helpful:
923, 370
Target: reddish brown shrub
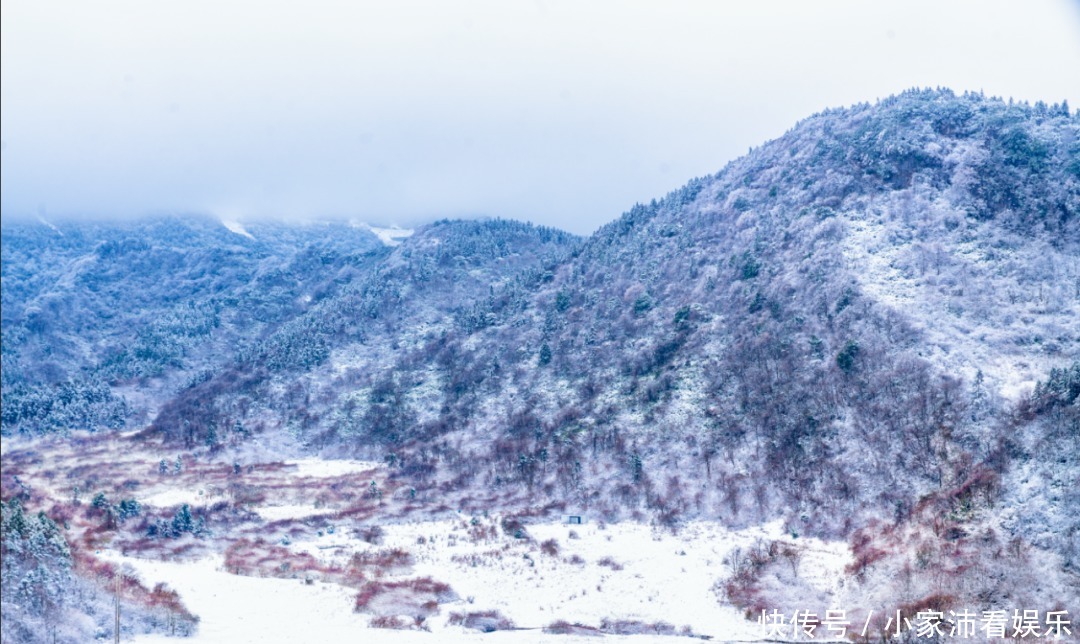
423, 592
382, 559
385, 621
262, 559
864, 552
550, 547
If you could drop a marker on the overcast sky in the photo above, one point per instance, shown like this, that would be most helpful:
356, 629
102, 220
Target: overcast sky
563, 113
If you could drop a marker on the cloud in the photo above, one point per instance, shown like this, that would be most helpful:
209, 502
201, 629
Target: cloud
564, 113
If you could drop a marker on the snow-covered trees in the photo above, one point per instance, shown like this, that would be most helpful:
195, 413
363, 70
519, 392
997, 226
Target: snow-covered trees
87, 305
36, 560
86, 403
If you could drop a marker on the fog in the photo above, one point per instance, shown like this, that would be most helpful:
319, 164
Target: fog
562, 113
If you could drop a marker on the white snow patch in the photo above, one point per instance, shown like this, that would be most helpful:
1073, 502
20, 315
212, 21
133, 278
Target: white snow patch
290, 511
176, 496
55, 229
1018, 390
391, 236
317, 467
238, 609
236, 227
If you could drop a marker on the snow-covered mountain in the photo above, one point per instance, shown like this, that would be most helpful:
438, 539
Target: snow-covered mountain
868, 328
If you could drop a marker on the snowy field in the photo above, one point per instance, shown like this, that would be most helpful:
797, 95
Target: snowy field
294, 567
627, 571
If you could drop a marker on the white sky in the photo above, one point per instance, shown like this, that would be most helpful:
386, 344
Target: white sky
564, 113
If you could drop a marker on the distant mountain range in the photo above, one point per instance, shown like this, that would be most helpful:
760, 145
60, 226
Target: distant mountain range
868, 322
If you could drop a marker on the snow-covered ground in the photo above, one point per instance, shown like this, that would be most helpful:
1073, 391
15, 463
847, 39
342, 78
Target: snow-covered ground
176, 496
625, 571
321, 467
632, 573
239, 610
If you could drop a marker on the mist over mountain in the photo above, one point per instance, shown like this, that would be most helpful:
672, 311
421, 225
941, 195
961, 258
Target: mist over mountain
868, 328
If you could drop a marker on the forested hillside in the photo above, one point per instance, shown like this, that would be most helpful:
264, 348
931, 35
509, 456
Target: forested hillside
94, 309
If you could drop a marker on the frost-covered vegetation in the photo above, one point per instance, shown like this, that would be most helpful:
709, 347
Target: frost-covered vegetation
52, 593
867, 329
92, 308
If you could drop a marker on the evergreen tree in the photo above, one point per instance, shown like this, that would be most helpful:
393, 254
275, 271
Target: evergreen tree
182, 521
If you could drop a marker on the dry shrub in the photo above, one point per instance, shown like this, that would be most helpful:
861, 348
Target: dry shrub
388, 621
487, 621
609, 563
164, 597
635, 627
550, 547
420, 596
471, 559
378, 563
61, 513
132, 591
480, 532
86, 564
563, 627
742, 587
864, 554
368, 592
514, 527
983, 482
372, 534
261, 559
244, 494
